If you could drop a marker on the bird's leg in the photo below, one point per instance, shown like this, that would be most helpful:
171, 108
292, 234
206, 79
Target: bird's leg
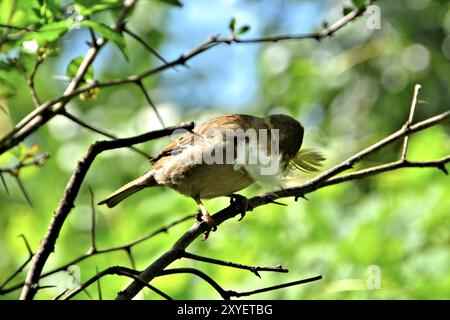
205, 217
241, 203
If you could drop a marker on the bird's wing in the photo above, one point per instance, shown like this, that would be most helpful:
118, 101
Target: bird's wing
222, 123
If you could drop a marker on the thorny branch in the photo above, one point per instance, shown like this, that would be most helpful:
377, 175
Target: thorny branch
328, 178
70, 193
225, 294
19, 270
29, 159
254, 269
102, 132
93, 251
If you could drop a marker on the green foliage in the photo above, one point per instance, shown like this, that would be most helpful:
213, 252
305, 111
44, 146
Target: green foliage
359, 3
88, 7
176, 3
243, 29
348, 91
346, 10
73, 66
239, 31
48, 33
232, 25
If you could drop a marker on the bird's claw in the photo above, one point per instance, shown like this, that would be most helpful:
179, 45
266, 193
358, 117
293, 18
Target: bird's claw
241, 203
211, 225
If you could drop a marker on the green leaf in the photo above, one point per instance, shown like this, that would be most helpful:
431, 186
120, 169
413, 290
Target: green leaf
72, 68
6, 7
359, 3
25, 13
232, 25
88, 7
173, 2
243, 29
48, 33
108, 33
346, 10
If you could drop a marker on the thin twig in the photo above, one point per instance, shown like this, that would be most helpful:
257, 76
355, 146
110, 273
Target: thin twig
99, 288
272, 288
201, 274
130, 257
417, 88
90, 253
150, 102
4, 182
121, 271
16, 169
145, 44
93, 229
60, 295
19, 270
30, 78
23, 190
227, 294
254, 269
439, 164
8, 26
90, 127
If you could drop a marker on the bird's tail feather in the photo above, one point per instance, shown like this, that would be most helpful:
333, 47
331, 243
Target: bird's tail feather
127, 190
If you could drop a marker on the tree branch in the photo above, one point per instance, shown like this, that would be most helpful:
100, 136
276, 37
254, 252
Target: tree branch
117, 270
150, 102
417, 88
227, 294
322, 180
254, 269
144, 44
92, 128
19, 270
70, 193
272, 288
91, 253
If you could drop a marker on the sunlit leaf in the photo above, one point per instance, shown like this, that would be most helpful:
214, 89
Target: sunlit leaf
48, 33
346, 10
73, 67
232, 24
243, 29
88, 7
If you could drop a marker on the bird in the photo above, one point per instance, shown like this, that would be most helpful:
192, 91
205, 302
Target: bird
213, 160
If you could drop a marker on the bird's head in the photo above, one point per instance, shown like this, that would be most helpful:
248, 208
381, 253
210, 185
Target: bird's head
290, 134
290, 141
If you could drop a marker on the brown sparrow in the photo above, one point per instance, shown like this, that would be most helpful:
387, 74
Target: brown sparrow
224, 155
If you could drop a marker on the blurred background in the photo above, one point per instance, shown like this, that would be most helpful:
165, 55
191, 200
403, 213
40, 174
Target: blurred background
349, 91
